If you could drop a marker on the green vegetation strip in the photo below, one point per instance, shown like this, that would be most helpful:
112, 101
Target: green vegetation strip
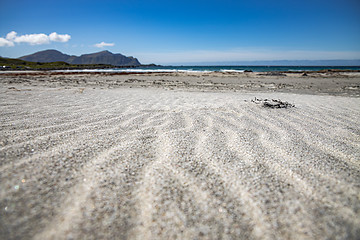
17, 64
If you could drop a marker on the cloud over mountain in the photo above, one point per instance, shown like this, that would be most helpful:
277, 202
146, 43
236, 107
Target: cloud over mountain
104, 44
32, 39
59, 37
6, 43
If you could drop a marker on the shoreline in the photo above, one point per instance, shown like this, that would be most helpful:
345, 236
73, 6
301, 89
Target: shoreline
133, 70
151, 68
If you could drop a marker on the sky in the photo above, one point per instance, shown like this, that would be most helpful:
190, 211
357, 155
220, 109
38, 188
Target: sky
184, 32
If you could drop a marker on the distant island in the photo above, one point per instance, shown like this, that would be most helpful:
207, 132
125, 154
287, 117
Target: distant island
103, 57
56, 60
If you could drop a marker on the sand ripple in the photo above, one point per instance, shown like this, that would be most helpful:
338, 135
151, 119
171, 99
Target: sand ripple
157, 164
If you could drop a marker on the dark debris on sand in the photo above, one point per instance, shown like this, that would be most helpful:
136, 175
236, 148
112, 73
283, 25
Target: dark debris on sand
272, 103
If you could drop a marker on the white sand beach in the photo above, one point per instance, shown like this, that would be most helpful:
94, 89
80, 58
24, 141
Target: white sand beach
179, 156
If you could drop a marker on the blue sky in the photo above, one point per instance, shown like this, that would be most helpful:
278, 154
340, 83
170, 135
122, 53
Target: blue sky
168, 32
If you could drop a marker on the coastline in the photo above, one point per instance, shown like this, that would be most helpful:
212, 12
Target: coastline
179, 155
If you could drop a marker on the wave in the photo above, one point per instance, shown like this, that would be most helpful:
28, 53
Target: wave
231, 71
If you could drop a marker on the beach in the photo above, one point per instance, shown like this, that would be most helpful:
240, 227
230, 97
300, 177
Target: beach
179, 156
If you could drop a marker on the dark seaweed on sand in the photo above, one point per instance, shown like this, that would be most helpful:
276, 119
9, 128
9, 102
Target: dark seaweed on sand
272, 103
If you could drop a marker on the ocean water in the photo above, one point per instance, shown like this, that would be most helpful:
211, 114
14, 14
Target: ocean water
209, 69
241, 68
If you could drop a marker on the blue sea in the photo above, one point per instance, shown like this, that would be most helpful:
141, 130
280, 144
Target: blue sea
205, 69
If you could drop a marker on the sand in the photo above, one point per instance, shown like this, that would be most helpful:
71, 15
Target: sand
179, 157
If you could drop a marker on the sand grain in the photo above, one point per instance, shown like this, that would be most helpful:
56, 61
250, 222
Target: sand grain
157, 164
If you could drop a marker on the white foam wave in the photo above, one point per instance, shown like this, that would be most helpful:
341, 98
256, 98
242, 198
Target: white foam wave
231, 70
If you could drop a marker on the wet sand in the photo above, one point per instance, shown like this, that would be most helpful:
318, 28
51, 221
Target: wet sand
179, 156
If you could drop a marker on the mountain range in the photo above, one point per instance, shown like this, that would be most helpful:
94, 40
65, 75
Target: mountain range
103, 57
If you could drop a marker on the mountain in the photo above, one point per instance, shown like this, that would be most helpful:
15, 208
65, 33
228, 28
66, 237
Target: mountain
46, 56
104, 57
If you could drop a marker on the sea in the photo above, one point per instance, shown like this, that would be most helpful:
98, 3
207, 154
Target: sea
205, 69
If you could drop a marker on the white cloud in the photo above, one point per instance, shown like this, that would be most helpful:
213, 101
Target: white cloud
59, 37
11, 36
6, 43
33, 39
104, 44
